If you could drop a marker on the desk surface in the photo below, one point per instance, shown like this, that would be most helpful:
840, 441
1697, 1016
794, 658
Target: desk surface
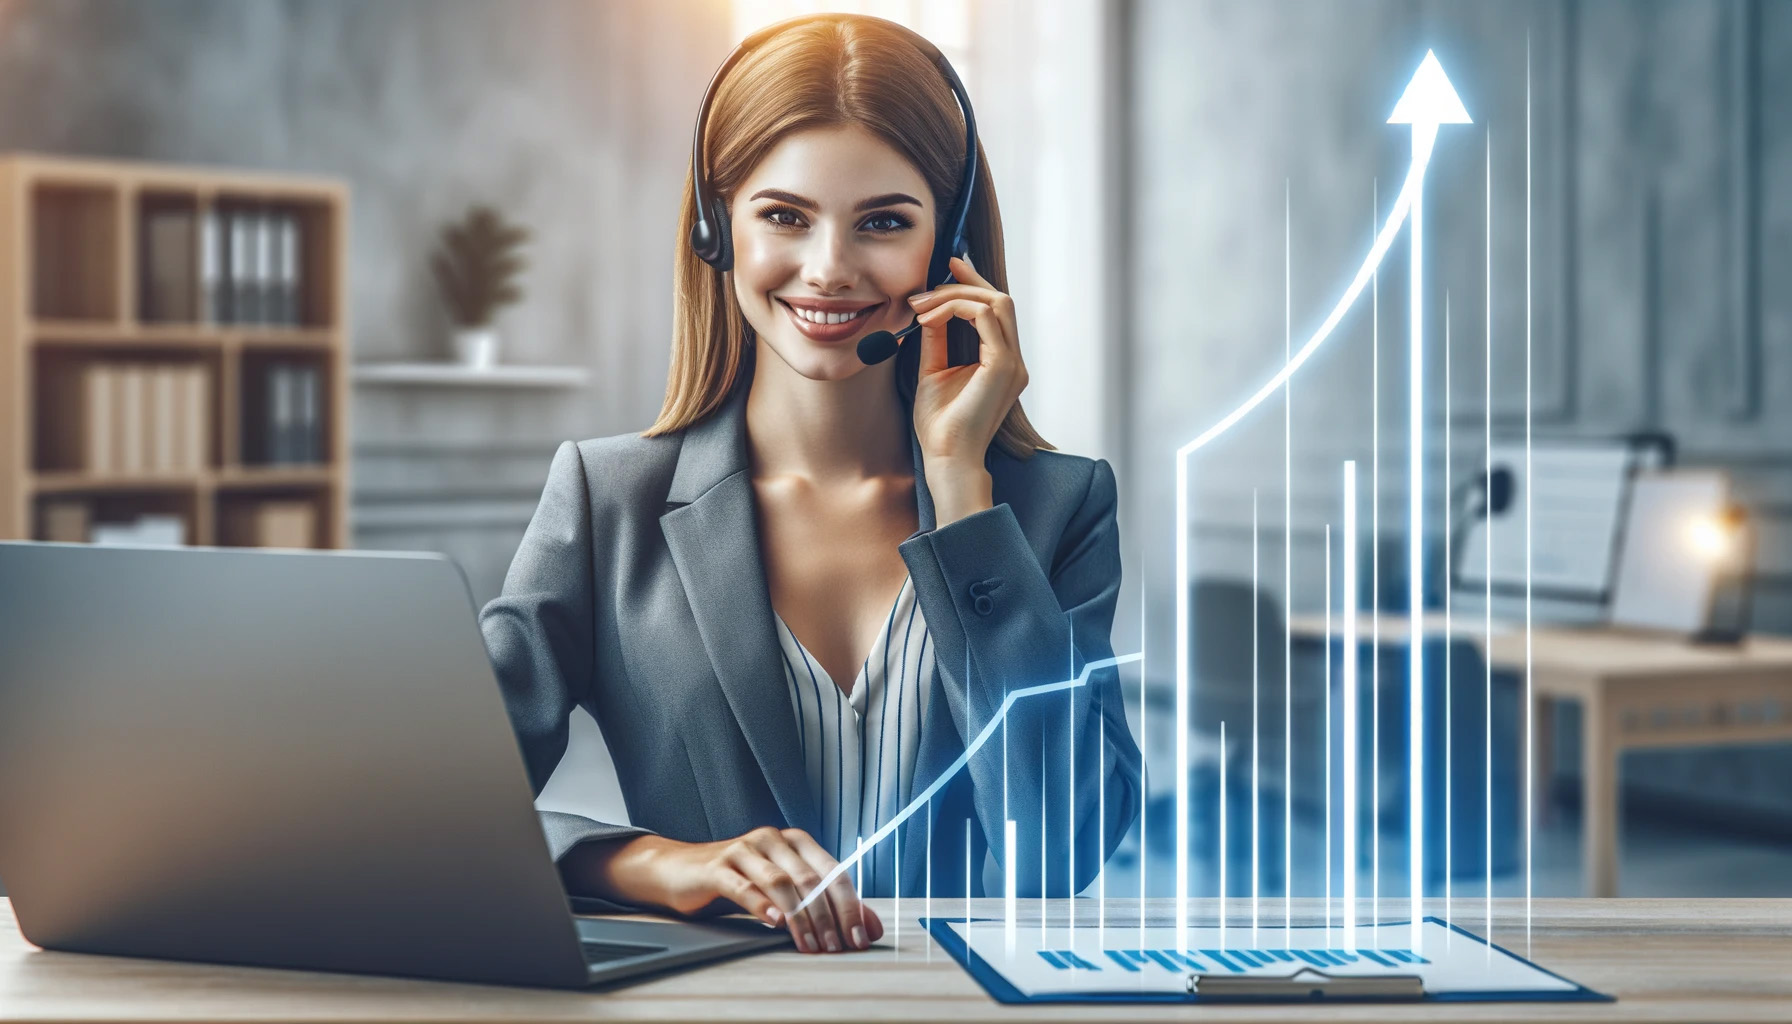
1708, 960
1593, 650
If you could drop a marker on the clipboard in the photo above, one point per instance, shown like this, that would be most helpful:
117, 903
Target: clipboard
1294, 982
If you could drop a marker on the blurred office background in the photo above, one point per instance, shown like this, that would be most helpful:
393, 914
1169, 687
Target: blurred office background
1151, 158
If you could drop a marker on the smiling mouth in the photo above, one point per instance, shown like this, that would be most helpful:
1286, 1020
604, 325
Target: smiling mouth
829, 326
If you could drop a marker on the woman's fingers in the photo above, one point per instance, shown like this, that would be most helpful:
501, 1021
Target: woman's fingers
997, 347
803, 880
775, 882
841, 899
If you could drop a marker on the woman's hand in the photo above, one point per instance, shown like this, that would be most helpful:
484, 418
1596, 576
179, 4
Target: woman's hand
958, 409
766, 873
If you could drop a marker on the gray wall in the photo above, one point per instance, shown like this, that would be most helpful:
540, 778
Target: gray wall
1662, 184
570, 116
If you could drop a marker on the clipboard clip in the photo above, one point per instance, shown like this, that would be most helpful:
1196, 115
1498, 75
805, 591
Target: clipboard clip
1306, 983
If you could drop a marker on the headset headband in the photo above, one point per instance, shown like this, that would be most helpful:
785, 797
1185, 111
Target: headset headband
710, 234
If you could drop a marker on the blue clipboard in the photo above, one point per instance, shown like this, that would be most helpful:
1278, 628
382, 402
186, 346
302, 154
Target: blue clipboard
1002, 991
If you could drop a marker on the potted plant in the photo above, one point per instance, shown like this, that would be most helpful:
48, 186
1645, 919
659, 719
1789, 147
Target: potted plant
476, 268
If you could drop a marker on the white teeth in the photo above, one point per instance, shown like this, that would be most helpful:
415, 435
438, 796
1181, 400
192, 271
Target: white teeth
816, 317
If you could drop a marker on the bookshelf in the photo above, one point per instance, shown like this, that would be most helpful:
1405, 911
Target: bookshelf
173, 354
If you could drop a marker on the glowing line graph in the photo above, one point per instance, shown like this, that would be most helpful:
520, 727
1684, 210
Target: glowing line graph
922, 798
1429, 101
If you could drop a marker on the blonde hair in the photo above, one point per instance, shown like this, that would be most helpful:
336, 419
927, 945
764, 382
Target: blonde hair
829, 72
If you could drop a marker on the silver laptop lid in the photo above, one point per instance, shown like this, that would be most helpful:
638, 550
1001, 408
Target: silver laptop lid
280, 758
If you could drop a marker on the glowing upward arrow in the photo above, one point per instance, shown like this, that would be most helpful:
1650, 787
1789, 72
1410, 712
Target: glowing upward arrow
1429, 98
1429, 101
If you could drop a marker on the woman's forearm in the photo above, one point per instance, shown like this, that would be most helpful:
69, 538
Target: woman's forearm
617, 870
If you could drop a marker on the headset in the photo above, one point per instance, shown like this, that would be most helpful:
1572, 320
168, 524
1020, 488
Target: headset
711, 236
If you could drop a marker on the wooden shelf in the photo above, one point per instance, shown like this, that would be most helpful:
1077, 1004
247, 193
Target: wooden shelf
275, 476
109, 333
111, 273
457, 375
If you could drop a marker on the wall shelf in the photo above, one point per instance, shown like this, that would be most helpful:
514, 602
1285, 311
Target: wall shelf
456, 375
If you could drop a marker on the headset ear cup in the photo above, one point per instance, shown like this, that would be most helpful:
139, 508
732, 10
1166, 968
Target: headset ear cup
724, 235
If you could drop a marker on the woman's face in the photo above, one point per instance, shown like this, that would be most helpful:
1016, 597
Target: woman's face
833, 225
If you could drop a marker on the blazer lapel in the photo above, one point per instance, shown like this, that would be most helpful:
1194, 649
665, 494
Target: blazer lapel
713, 537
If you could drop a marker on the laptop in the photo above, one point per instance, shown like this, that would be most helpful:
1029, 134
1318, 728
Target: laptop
284, 759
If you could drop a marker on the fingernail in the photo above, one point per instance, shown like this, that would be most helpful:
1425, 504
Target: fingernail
858, 937
807, 943
920, 297
773, 915
833, 943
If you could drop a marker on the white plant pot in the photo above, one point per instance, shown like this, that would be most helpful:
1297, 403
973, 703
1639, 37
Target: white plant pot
476, 347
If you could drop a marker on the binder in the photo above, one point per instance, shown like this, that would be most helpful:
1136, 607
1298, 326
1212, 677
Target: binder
1116, 974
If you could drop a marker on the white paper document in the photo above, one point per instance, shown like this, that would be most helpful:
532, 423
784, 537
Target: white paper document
1129, 961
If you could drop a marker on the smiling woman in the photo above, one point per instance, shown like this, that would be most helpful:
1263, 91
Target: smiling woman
789, 601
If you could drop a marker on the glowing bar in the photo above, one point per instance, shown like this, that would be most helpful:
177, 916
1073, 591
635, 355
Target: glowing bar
1530, 726
1010, 853
1256, 769
1487, 572
1449, 633
1182, 723
1351, 811
1225, 851
1415, 569
1287, 569
1327, 859
1375, 599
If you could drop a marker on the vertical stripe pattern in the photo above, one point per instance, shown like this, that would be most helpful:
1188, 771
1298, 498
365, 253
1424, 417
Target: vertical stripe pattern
859, 748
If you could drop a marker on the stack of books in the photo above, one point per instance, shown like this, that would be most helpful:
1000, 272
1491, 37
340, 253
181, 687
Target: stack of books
293, 429
135, 418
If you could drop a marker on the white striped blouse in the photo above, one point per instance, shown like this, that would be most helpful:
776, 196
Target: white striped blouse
859, 749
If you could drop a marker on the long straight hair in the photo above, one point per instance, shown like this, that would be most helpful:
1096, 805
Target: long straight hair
826, 73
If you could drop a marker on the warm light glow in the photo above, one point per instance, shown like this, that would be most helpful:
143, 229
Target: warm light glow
1712, 537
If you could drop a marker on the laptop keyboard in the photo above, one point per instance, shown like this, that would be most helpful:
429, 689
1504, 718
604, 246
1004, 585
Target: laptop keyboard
607, 952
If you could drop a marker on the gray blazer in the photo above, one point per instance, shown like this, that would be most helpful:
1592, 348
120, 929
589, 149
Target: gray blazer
638, 594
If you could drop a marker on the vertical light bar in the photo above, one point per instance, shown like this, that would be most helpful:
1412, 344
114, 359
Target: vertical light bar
1351, 655
1182, 668
1144, 758
1326, 860
1044, 847
1070, 768
1225, 797
967, 876
1287, 568
858, 866
897, 853
1375, 577
1487, 572
1415, 571
1010, 851
1256, 738
1449, 635
1530, 725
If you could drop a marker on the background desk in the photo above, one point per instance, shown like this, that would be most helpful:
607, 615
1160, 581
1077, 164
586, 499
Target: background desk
1636, 691
1707, 960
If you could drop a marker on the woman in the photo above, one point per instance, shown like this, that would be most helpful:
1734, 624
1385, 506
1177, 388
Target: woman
716, 591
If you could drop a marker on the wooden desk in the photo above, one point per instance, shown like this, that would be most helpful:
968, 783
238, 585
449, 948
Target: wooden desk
1636, 691
1708, 960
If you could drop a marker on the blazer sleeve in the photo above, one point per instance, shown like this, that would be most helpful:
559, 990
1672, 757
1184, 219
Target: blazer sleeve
1065, 766
539, 634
